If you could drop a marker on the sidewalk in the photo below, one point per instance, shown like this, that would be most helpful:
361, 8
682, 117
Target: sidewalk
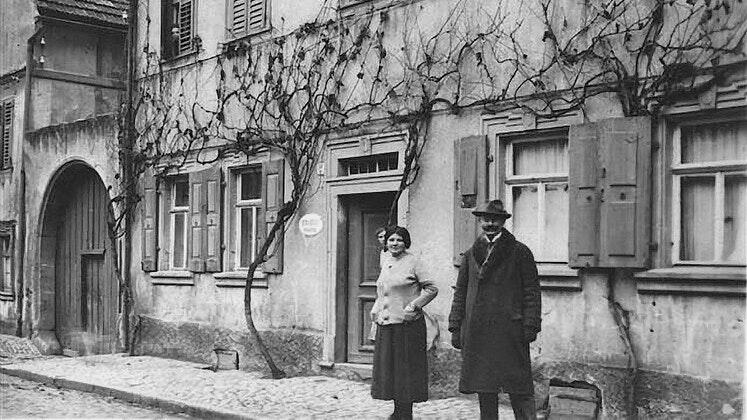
179, 386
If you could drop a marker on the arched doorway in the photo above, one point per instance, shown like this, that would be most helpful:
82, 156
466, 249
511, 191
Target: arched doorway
78, 263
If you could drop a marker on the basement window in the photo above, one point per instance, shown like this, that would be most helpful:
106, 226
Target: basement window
369, 164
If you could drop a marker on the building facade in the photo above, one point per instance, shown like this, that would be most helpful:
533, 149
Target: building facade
637, 222
63, 78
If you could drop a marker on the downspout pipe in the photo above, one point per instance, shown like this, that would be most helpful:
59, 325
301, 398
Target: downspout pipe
21, 298
126, 162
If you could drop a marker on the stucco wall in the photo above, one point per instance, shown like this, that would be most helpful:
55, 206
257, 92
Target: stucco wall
92, 143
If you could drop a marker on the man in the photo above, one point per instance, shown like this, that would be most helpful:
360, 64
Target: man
495, 314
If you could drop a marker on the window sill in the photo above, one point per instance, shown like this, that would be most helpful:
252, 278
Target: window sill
7, 295
172, 278
181, 57
234, 41
238, 279
558, 277
702, 280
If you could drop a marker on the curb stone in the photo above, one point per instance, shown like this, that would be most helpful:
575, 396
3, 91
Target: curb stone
128, 396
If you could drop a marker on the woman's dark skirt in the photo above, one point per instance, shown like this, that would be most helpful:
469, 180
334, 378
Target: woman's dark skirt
400, 366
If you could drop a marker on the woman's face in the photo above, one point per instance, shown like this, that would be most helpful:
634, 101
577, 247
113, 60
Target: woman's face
381, 236
395, 244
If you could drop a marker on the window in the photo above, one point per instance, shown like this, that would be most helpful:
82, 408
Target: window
709, 200
7, 229
6, 126
178, 216
369, 164
246, 17
536, 192
177, 27
248, 206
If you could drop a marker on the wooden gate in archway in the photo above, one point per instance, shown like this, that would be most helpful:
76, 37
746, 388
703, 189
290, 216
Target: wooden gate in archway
86, 286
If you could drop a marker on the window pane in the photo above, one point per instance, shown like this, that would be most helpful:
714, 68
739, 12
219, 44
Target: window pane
735, 217
697, 213
251, 185
549, 156
181, 193
714, 142
525, 215
247, 235
555, 235
180, 251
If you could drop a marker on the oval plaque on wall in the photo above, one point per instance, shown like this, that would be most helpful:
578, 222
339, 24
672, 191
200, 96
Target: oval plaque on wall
310, 224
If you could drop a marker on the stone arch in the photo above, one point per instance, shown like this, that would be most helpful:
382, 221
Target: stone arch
59, 266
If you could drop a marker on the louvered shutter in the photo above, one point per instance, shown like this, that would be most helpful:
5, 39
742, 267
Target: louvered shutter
247, 16
625, 181
7, 134
584, 196
196, 222
273, 198
256, 15
471, 189
185, 24
150, 221
214, 243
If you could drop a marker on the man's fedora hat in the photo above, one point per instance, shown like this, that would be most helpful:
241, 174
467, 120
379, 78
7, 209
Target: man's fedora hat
494, 207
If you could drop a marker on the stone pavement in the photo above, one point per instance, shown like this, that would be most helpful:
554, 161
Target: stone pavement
192, 388
20, 398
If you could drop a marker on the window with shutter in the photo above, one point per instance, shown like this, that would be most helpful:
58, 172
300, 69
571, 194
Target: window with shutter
471, 189
189, 227
6, 131
247, 17
177, 27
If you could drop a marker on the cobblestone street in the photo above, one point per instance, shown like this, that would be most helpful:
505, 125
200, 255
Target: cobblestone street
177, 386
27, 399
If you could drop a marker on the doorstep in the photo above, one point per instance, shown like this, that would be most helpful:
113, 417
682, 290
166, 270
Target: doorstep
353, 371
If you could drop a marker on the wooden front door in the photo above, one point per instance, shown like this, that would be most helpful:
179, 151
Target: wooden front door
86, 287
366, 213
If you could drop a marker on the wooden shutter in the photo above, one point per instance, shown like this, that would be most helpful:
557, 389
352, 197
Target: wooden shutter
237, 16
584, 196
273, 198
213, 240
247, 16
610, 168
7, 135
625, 181
196, 222
471, 189
164, 229
185, 24
256, 15
150, 221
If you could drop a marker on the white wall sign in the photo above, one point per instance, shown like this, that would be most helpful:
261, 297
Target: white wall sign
310, 224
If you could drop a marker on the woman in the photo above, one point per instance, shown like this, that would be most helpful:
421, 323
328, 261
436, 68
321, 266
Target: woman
400, 370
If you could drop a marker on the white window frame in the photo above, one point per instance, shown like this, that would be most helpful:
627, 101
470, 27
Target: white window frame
538, 180
239, 204
719, 170
172, 223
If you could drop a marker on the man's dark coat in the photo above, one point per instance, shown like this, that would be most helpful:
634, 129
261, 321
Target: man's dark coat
495, 302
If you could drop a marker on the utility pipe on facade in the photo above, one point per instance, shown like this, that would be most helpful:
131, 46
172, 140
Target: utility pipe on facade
126, 162
21, 300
